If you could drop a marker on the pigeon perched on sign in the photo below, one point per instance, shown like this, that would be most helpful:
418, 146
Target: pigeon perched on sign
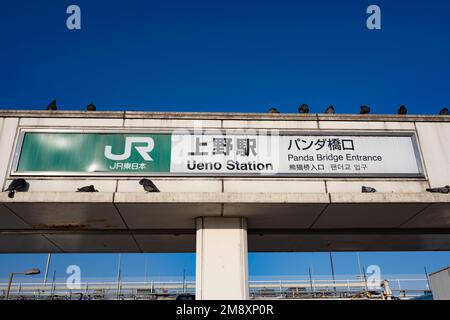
444, 190
402, 110
303, 108
90, 188
52, 106
330, 110
91, 107
273, 110
17, 185
368, 190
148, 185
364, 110
444, 112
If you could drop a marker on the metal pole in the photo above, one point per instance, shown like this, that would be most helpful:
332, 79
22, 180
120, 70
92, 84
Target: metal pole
310, 279
359, 265
361, 272
49, 257
332, 271
118, 275
8, 288
365, 278
184, 280
428, 278
53, 284
145, 271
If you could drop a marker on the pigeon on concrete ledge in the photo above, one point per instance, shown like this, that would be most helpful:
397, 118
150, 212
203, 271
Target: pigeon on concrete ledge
90, 188
17, 185
368, 190
148, 185
445, 190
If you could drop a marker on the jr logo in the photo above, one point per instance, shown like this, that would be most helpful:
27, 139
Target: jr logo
143, 150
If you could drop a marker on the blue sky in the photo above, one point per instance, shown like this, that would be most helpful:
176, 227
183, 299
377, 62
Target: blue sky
226, 55
231, 55
262, 266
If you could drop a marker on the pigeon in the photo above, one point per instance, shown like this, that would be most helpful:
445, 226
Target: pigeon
364, 110
444, 112
273, 110
402, 110
444, 190
52, 106
303, 108
148, 185
17, 185
90, 188
330, 110
91, 107
368, 190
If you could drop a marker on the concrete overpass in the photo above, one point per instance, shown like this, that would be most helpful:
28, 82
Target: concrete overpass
222, 214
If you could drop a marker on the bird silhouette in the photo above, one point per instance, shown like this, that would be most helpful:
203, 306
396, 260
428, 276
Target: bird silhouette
52, 106
273, 110
444, 112
91, 107
444, 190
330, 110
148, 185
90, 188
402, 110
304, 108
368, 190
17, 185
364, 110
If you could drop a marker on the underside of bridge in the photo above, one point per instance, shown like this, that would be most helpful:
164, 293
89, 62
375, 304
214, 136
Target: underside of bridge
165, 222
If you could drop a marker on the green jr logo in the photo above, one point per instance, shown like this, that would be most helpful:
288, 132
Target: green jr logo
129, 141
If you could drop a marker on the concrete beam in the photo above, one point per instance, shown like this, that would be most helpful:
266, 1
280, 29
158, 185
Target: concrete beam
220, 197
222, 116
223, 197
165, 222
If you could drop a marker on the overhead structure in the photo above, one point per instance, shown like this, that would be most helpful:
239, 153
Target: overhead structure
267, 182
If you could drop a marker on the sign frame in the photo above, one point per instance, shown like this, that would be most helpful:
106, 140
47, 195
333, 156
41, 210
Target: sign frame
17, 149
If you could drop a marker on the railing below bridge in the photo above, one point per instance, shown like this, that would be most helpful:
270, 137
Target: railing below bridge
351, 287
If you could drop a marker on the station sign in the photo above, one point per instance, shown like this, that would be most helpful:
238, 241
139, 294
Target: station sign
298, 154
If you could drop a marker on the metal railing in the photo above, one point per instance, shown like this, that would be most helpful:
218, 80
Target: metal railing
295, 288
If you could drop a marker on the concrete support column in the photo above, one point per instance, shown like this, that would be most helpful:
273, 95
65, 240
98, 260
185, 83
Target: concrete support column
222, 268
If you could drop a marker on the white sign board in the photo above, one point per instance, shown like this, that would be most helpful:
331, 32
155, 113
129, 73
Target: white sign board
297, 155
234, 153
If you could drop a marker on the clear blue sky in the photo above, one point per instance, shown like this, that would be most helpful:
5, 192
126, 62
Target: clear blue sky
226, 56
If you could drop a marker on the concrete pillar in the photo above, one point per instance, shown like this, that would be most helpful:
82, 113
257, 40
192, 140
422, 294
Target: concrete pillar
222, 268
